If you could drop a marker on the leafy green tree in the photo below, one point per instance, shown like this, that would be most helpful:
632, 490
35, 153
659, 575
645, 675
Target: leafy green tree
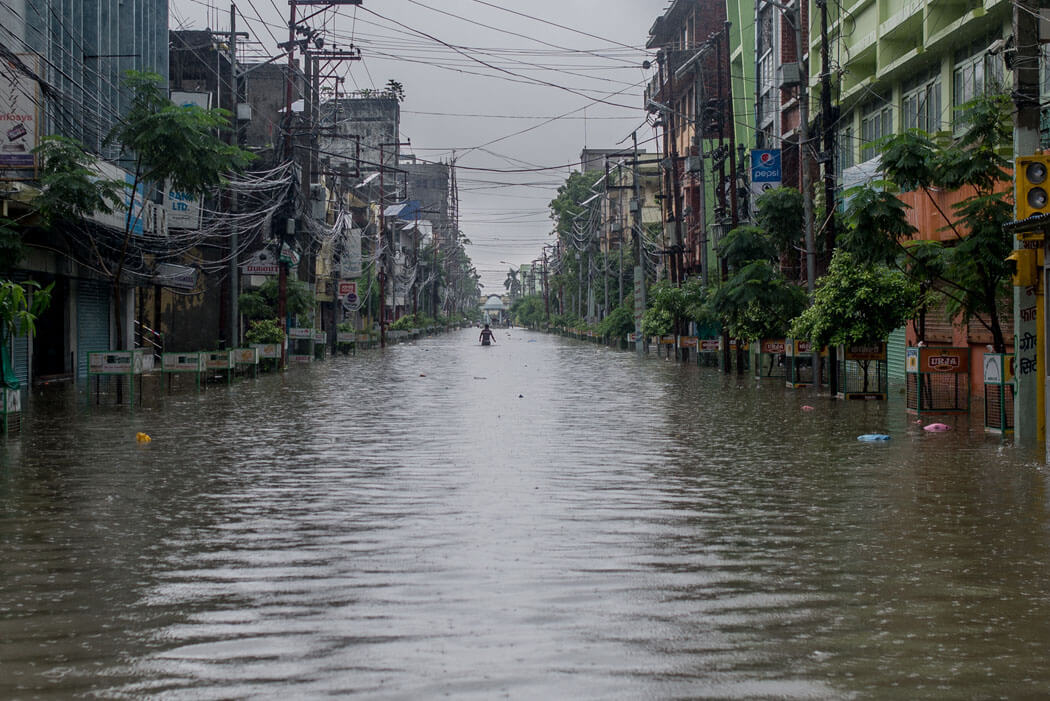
528, 311
857, 304
969, 269
262, 303
619, 322
778, 212
512, 283
20, 305
265, 331
745, 244
671, 306
758, 302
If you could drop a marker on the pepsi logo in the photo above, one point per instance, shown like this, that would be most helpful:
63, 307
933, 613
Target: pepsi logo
766, 157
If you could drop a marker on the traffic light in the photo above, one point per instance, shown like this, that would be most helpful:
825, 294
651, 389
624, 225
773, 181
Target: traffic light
1031, 178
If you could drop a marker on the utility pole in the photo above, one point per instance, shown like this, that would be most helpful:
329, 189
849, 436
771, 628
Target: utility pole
1029, 402
794, 15
234, 332
639, 247
546, 292
827, 119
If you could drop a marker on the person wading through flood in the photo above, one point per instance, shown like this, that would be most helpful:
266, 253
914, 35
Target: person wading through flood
487, 338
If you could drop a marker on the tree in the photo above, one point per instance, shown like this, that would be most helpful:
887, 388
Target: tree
262, 303
758, 302
169, 145
20, 305
857, 303
671, 306
528, 311
970, 269
395, 90
512, 283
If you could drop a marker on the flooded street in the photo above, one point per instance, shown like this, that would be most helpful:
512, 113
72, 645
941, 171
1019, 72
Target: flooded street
541, 519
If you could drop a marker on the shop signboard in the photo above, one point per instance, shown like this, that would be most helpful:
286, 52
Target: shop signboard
773, 346
262, 262
110, 362
301, 334
871, 351
943, 360
219, 360
246, 356
268, 350
181, 362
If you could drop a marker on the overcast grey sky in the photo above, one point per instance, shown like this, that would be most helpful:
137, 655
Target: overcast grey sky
475, 75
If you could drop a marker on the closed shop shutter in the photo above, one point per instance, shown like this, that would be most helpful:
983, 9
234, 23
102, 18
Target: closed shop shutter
20, 359
92, 321
895, 346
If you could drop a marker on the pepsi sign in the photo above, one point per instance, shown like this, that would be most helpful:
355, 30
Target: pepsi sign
766, 172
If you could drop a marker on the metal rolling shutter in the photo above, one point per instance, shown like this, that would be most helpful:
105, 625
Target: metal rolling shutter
92, 321
20, 359
895, 355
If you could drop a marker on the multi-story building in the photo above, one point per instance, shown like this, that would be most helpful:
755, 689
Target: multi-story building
63, 74
694, 101
902, 67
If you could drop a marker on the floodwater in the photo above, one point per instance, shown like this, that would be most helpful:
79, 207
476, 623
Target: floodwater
541, 519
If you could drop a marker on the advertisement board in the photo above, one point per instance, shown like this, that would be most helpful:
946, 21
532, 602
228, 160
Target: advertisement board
219, 360
181, 362
18, 114
873, 351
246, 356
944, 360
268, 350
772, 346
766, 171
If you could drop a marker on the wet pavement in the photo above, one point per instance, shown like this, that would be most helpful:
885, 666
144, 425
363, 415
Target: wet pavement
540, 519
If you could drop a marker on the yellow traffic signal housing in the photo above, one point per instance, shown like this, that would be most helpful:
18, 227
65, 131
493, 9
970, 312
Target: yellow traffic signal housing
1032, 179
1025, 272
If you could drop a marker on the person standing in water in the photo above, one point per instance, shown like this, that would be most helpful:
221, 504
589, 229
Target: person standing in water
487, 337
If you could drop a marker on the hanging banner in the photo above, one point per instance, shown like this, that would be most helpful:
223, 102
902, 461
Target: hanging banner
766, 171
18, 114
350, 261
183, 209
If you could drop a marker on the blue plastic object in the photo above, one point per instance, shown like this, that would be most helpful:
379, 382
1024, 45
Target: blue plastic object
872, 437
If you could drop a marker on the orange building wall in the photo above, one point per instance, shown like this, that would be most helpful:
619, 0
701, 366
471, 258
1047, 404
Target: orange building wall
923, 214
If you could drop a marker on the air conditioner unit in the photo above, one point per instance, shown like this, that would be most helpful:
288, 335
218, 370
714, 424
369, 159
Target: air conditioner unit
789, 75
633, 206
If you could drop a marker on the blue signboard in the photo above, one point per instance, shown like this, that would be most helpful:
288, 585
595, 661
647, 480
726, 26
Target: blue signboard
765, 168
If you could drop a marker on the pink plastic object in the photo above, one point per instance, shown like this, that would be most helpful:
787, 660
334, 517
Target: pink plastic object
937, 428
807, 407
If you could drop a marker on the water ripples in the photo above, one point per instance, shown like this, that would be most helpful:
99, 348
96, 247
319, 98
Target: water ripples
539, 519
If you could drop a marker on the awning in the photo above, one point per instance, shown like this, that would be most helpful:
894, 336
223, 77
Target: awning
408, 210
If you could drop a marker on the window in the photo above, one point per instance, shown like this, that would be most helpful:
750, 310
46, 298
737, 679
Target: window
768, 94
976, 73
875, 123
845, 149
921, 104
